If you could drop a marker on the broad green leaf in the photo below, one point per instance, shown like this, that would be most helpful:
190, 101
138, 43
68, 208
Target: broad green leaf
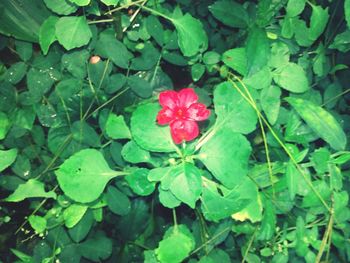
149, 56
62, 7
80, 2
226, 155
73, 214
318, 21
260, 80
73, 32
29, 189
176, 246
147, 133
16, 72
279, 55
191, 36
347, 12
117, 201
140, 86
236, 59
295, 7
211, 58
292, 77
47, 33
270, 102
320, 121
84, 175
108, 46
197, 71
230, 13
253, 211
116, 127
232, 110
257, 50
97, 248
211, 199
83, 133
75, 62
302, 32
139, 183
82, 228
133, 153
110, 2
4, 125
215, 256
185, 183
38, 223
168, 199
7, 158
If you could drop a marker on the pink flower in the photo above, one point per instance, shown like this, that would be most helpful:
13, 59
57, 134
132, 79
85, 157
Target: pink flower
181, 111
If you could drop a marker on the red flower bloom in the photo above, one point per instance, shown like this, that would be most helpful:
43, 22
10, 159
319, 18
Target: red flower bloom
181, 111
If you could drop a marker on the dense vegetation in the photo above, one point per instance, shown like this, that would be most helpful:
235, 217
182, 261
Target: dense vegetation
88, 174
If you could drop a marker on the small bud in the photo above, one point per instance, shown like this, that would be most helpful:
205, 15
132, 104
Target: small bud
95, 59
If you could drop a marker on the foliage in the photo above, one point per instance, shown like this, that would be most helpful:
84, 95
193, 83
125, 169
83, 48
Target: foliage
88, 175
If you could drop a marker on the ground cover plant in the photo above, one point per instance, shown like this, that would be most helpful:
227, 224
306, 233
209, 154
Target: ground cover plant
174, 131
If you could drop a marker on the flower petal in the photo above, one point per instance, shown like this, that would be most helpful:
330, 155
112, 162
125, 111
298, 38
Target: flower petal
169, 99
198, 112
183, 130
187, 97
164, 116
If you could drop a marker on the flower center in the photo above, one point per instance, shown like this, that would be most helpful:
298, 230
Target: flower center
180, 113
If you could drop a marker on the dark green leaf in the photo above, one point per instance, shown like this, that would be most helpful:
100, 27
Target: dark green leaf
155, 29
24, 49
117, 201
197, 71
82, 228
230, 13
75, 63
97, 248
321, 122
140, 86
148, 58
16, 72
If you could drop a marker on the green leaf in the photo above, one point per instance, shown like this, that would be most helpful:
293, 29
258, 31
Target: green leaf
155, 29
62, 7
185, 183
29, 189
96, 249
73, 32
38, 223
176, 246
24, 49
39, 81
73, 214
347, 12
271, 102
80, 2
216, 255
147, 133
211, 58
191, 36
342, 42
232, 110
139, 183
75, 62
279, 55
83, 133
295, 7
7, 158
253, 211
47, 33
320, 121
229, 203
318, 21
268, 223
260, 80
148, 58
168, 199
116, 127
226, 156
110, 2
84, 175
292, 77
133, 153
108, 46
22, 256
197, 71
117, 201
140, 86
230, 13
236, 59
82, 228
116, 82
257, 50
4, 126
16, 72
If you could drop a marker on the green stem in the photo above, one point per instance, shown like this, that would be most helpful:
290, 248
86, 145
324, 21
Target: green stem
155, 12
